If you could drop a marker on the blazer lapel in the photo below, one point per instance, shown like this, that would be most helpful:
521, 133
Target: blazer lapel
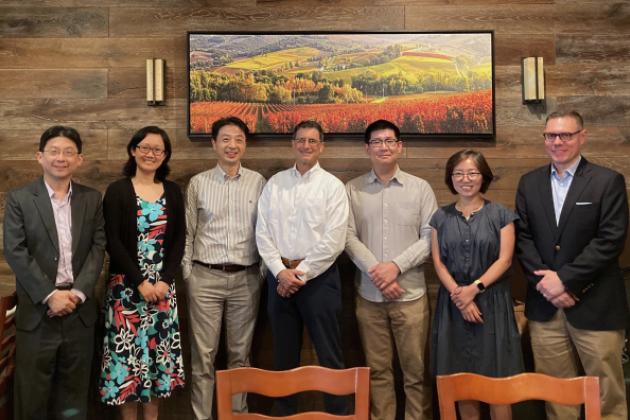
77, 206
547, 200
44, 208
580, 181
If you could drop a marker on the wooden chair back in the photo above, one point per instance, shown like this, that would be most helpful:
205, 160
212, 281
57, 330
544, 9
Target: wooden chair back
7, 354
283, 383
513, 389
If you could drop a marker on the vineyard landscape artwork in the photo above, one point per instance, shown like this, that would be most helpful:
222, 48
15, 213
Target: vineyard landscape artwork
429, 84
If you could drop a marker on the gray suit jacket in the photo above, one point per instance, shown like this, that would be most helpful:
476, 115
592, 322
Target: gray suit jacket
31, 248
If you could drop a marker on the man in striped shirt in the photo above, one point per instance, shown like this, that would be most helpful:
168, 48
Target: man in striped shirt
221, 263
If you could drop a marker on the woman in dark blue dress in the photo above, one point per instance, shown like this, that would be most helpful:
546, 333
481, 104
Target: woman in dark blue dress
474, 329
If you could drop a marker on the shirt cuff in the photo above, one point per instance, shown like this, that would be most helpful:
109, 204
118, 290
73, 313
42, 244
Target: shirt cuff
401, 264
45, 301
276, 267
79, 294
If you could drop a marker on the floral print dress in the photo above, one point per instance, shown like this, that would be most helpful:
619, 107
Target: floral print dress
142, 355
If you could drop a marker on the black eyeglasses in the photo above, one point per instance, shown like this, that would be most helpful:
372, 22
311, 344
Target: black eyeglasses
564, 137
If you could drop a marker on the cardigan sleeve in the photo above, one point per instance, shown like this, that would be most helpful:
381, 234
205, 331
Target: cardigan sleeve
177, 232
115, 210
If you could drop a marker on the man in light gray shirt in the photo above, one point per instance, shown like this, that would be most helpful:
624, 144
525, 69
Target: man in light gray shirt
388, 239
221, 263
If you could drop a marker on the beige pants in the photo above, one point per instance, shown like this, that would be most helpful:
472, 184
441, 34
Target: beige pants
211, 295
381, 324
559, 348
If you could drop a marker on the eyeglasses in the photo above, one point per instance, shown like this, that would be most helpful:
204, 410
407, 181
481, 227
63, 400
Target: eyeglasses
459, 176
564, 137
389, 142
145, 150
69, 153
311, 142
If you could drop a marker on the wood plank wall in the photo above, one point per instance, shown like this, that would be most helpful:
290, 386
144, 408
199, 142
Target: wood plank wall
81, 63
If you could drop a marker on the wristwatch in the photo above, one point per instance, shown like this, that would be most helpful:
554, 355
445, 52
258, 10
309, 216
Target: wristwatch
480, 285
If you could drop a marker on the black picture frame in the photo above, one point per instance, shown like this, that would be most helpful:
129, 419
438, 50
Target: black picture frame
433, 85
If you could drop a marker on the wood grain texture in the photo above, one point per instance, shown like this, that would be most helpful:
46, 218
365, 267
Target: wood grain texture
62, 83
81, 63
144, 21
53, 21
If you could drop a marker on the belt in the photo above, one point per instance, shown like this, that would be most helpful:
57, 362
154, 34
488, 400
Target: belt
63, 286
291, 263
227, 268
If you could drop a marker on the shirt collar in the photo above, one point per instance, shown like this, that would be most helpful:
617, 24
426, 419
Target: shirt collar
51, 192
570, 171
396, 178
296, 173
223, 176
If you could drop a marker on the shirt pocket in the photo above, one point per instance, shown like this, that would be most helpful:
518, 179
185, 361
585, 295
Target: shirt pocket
407, 214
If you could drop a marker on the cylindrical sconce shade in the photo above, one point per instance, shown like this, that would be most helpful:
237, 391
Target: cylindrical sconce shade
533, 79
150, 81
159, 80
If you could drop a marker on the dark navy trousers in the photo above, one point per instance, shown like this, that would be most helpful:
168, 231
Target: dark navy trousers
317, 305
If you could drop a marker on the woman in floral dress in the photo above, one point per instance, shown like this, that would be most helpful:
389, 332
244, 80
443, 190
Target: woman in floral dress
145, 226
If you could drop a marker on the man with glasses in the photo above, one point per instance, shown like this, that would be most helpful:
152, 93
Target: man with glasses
388, 239
572, 229
54, 241
301, 229
221, 264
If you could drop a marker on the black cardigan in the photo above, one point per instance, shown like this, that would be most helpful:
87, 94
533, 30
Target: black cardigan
119, 209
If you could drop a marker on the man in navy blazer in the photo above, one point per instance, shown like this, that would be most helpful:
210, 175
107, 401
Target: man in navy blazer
572, 228
54, 241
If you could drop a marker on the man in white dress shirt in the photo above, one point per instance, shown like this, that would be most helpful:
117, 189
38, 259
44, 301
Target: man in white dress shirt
389, 238
301, 230
220, 263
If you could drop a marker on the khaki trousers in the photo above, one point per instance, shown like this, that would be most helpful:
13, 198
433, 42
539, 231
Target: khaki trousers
559, 348
213, 295
405, 324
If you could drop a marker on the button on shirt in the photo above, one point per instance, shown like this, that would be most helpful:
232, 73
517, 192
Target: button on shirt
62, 213
390, 222
302, 217
560, 187
221, 218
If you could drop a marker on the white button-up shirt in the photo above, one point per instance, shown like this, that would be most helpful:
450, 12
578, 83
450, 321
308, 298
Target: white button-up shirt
390, 222
302, 217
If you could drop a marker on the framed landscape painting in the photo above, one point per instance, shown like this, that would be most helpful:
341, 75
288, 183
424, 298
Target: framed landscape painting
432, 85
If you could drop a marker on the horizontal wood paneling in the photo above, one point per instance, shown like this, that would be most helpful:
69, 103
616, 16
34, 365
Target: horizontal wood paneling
81, 63
53, 21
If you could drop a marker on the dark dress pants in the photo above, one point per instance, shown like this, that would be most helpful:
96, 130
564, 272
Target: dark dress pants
318, 306
53, 366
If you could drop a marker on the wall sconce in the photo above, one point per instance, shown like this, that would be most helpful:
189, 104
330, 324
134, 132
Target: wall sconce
155, 81
533, 79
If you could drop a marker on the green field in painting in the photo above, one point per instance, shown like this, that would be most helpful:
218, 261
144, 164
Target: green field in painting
274, 60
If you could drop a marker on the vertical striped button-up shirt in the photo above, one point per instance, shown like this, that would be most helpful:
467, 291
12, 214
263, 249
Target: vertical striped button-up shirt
390, 222
221, 218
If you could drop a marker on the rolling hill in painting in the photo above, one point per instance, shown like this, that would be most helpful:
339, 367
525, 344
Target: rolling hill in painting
425, 83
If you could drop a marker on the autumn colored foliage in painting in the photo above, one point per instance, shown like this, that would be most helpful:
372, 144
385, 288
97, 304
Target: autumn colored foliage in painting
448, 113
424, 83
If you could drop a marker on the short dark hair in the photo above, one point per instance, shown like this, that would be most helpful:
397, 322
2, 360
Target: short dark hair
563, 114
219, 124
480, 162
60, 131
129, 170
381, 125
309, 124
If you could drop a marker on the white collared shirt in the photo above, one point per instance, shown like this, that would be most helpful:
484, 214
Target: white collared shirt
390, 222
302, 217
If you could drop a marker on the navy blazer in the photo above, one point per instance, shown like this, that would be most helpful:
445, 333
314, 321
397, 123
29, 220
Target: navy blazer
31, 247
583, 248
